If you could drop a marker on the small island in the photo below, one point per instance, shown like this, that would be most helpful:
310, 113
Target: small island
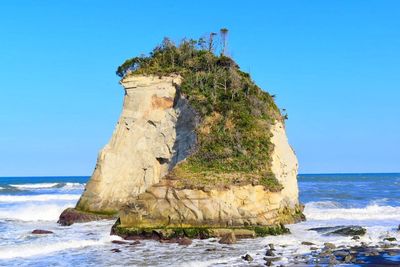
199, 151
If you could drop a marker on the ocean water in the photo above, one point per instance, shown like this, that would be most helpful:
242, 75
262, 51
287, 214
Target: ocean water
28, 203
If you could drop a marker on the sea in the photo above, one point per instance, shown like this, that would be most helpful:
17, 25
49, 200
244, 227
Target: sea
28, 203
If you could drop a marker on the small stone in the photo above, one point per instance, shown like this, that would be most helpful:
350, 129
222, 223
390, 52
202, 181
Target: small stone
119, 242
341, 253
247, 257
390, 239
348, 258
228, 239
116, 250
211, 249
313, 248
268, 263
184, 241
329, 245
271, 246
41, 232
270, 253
306, 243
356, 237
392, 253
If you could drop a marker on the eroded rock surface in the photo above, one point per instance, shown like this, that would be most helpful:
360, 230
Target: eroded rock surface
164, 204
154, 132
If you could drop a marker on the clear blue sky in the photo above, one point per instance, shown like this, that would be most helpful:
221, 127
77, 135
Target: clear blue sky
334, 65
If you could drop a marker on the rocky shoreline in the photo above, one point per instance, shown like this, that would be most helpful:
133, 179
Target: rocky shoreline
360, 253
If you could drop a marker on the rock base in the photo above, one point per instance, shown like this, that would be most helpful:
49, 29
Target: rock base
167, 233
71, 216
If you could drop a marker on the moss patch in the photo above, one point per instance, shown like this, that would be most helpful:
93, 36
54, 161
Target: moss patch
195, 232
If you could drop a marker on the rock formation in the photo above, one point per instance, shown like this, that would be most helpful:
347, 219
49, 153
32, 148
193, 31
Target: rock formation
199, 150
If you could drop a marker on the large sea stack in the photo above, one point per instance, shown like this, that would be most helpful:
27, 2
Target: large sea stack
199, 150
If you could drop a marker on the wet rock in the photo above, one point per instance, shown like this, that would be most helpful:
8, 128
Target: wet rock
185, 241
272, 259
333, 260
329, 245
247, 257
392, 253
341, 253
228, 239
313, 248
211, 249
116, 250
71, 215
356, 237
306, 243
343, 230
271, 246
390, 239
349, 258
325, 253
137, 242
41, 232
391, 245
119, 242
270, 253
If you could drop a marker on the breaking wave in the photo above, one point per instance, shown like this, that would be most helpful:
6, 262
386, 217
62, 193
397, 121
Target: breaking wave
32, 212
67, 186
40, 198
330, 210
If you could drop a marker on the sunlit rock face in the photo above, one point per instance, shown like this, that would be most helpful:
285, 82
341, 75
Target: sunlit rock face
153, 133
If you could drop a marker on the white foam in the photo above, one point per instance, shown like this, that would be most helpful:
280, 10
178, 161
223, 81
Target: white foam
70, 186
34, 186
316, 211
44, 197
32, 249
31, 212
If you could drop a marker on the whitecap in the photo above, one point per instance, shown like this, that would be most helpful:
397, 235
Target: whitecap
371, 212
32, 249
34, 186
71, 186
44, 197
32, 212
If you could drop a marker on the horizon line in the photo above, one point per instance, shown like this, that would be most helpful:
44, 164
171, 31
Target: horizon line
312, 173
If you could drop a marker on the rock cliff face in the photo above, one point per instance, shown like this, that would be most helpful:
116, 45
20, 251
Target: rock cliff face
154, 132
165, 205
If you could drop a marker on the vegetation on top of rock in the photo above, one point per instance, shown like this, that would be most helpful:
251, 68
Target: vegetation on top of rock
233, 137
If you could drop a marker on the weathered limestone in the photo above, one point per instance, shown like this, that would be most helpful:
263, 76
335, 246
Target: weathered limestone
163, 205
154, 132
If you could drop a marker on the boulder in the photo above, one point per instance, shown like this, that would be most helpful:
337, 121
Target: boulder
306, 243
228, 239
247, 257
184, 241
351, 230
41, 232
71, 215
